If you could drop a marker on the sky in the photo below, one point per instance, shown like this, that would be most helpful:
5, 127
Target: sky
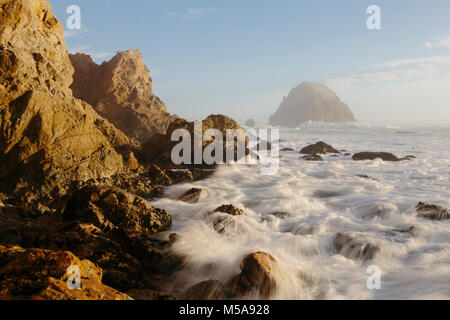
240, 58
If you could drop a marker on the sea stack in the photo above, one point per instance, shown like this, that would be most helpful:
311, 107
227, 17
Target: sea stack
311, 102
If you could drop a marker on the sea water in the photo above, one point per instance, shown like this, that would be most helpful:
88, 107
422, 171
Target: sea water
295, 214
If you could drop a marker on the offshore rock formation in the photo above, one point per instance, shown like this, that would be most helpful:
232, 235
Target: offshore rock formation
311, 102
48, 138
121, 91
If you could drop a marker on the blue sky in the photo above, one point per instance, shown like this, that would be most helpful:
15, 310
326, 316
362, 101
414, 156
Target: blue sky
241, 57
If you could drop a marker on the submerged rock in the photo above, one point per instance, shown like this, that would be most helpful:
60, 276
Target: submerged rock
207, 290
319, 148
191, 196
353, 248
312, 157
258, 274
431, 211
44, 275
286, 150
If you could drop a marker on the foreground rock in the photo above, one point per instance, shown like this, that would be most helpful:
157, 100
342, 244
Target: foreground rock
431, 211
351, 247
311, 102
43, 275
319, 148
258, 275
207, 290
120, 90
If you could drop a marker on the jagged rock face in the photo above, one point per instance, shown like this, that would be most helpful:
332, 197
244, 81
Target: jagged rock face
46, 135
311, 102
121, 91
159, 147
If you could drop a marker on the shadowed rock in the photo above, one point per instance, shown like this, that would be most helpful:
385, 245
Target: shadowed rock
319, 148
353, 248
431, 211
312, 157
207, 290
286, 150
385, 156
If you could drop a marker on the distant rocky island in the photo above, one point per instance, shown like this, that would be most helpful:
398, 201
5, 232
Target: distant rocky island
311, 102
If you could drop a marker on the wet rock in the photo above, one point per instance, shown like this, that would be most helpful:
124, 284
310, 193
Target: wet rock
364, 176
304, 229
114, 209
43, 275
191, 196
207, 290
432, 212
351, 247
258, 275
286, 150
385, 156
319, 148
312, 157
230, 209
280, 214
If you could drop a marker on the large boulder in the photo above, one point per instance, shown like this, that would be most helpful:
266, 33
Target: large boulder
120, 90
385, 156
311, 102
258, 275
44, 275
158, 148
48, 138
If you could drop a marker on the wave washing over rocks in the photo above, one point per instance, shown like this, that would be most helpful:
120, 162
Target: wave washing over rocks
325, 223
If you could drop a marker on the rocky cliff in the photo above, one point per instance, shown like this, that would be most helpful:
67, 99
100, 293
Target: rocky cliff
121, 91
48, 138
311, 102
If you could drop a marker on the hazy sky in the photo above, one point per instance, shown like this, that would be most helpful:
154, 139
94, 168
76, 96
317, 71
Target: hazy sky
241, 57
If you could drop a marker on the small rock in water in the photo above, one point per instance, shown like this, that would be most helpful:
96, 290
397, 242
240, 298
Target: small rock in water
207, 290
280, 214
364, 176
353, 248
258, 272
385, 156
286, 150
319, 148
230, 209
191, 196
431, 211
313, 157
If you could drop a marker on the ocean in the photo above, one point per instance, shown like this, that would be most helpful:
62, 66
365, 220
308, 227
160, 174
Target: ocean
295, 214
